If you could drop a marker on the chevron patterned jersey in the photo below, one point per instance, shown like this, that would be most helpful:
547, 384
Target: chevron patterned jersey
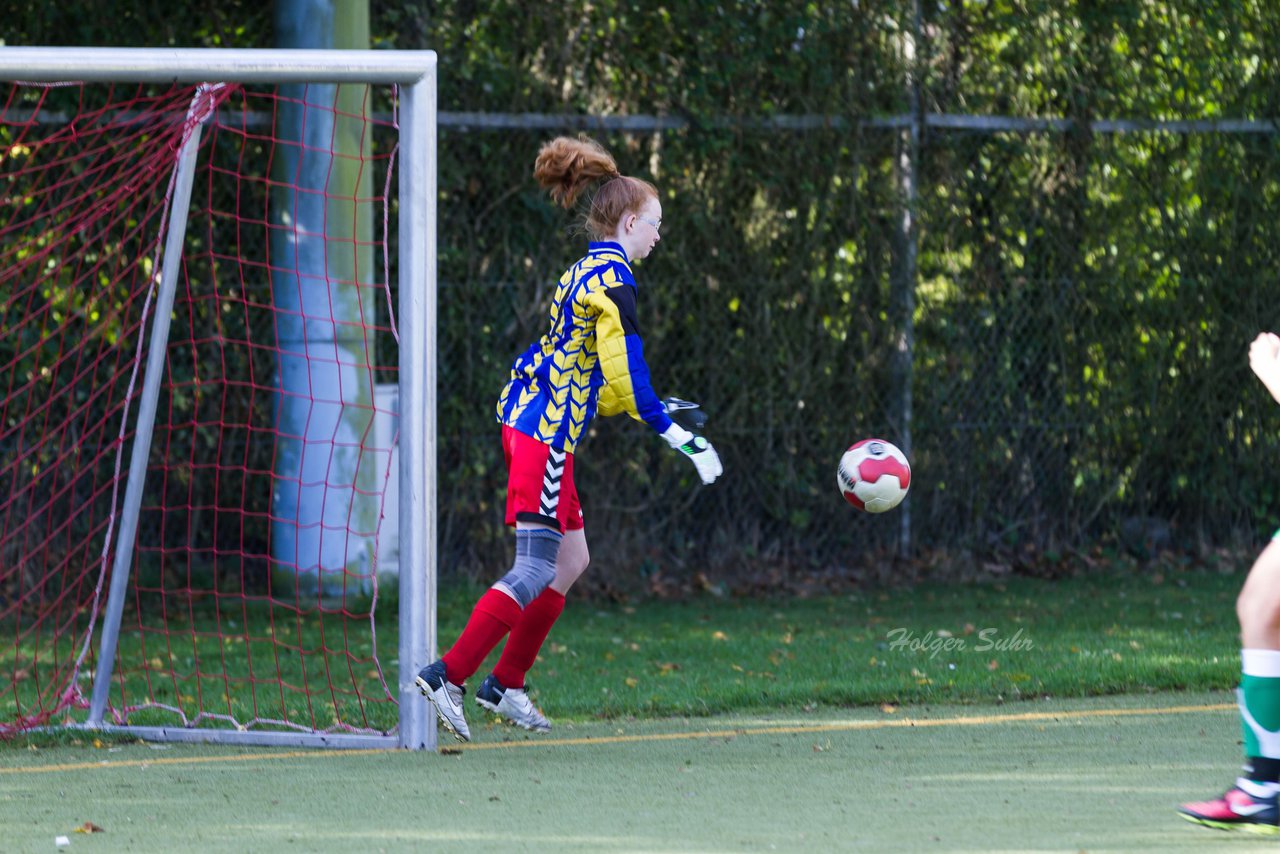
591, 357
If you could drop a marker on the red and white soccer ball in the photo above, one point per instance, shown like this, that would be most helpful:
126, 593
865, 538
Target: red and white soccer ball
874, 475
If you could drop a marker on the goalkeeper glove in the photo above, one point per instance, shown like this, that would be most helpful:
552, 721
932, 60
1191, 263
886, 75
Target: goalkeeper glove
698, 450
687, 414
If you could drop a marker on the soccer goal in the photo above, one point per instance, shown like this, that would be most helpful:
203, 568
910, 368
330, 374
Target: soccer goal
217, 432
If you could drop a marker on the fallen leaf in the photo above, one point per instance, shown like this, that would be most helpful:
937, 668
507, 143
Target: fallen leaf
89, 827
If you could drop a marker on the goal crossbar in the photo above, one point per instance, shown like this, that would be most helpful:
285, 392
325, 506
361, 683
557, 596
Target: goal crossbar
198, 65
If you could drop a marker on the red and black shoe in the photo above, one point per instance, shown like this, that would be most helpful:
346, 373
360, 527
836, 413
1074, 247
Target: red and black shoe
1237, 809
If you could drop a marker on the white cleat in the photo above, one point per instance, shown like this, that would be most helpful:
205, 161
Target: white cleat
445, 698
512, 703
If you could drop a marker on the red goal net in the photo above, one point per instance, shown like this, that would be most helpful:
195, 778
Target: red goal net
253, 600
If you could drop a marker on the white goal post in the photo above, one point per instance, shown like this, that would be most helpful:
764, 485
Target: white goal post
414, 74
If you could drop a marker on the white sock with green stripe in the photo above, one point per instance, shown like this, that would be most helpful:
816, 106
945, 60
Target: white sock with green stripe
1259, 700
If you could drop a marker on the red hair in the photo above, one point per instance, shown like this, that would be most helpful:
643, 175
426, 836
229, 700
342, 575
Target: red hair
566, 167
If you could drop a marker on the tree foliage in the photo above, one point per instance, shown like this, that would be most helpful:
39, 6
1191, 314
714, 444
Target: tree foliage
1082, 297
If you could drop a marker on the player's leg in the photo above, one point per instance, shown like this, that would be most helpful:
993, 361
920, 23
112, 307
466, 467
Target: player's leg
527, 638
505, 691
1251, 804
532, 508
535, 624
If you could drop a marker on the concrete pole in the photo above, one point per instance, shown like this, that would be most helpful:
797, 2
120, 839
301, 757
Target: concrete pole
321, 253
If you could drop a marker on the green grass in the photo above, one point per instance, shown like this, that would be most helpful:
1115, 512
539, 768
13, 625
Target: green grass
1103, 634
233, 658
1126, 630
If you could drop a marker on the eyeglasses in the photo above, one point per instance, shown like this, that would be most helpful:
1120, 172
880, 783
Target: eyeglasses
656, 225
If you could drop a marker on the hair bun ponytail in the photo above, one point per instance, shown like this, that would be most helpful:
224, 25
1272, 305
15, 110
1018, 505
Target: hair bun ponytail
566, 166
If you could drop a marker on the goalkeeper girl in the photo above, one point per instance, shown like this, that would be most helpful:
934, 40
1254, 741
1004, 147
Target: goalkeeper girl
590, 361
1251, 804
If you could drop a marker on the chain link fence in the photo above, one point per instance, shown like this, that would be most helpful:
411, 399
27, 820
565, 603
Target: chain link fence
1053, 319
1050, 314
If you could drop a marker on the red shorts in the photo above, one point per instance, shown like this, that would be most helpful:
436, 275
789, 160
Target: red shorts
540, 485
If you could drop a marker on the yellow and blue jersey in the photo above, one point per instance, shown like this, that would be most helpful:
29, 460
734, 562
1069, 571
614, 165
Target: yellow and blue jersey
590, 360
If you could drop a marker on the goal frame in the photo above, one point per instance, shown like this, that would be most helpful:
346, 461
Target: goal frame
415, 73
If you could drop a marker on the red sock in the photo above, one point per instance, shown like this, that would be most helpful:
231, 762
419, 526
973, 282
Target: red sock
527, 638
492, 617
